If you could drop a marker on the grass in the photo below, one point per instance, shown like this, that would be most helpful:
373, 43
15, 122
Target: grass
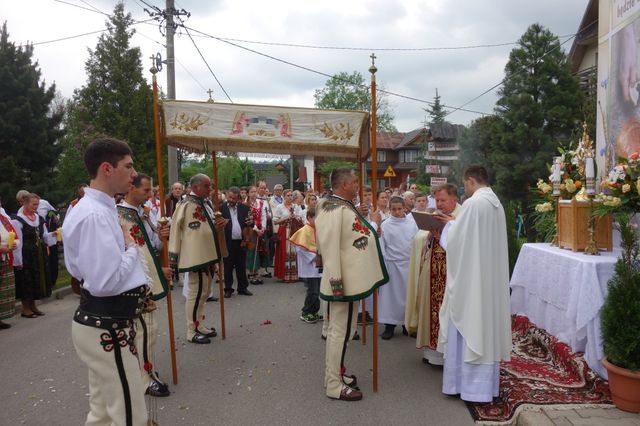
64, 279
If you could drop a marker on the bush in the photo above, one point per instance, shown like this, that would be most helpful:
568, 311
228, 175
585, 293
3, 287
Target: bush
621, 311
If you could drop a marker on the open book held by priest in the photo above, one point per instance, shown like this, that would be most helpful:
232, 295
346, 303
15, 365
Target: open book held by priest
428, 221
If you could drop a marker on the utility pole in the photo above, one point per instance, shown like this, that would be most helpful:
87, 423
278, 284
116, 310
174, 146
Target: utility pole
172, 154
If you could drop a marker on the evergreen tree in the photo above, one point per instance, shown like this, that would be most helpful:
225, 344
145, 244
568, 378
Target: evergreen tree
436, 111
349, 91
29, 124
115, 101
477, 143
540, 106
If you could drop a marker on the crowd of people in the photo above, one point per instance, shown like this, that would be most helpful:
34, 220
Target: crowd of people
447, 286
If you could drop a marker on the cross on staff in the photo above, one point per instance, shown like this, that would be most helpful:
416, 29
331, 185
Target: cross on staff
210, 92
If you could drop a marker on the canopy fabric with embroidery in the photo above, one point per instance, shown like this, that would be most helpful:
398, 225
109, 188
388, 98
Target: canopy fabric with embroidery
208, 127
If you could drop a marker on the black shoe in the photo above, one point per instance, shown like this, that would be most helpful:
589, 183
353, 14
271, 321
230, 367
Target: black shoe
158, 389
323, 337
4, 325
245, 292
367, 317
212, 299
267, 275
356, 336
256, 281
212, 333
201, 339
388, 331
228, 293
405, 331
352, 379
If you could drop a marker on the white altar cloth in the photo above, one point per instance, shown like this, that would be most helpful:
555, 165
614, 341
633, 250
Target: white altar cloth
563, 292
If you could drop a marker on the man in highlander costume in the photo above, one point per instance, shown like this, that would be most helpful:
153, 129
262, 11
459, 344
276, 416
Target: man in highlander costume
194, 248
107, 260
352, 270
137, 223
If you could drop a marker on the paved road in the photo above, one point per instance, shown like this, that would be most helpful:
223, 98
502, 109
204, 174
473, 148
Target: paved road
259, 375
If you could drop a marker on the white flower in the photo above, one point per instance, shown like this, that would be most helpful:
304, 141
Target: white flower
544, 207
626, 188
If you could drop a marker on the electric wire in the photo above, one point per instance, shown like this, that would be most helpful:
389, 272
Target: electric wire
284, 61
204, 59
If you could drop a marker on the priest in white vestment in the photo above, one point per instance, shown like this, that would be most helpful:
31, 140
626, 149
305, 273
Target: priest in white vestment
397, 235
475, 326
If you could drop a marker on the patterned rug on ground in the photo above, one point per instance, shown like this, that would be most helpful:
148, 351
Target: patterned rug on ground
542, 371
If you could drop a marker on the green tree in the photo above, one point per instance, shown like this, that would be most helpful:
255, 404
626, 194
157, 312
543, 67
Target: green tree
116, 100
540, 106
477, 142
329, 166
350, 91
29, 124
436, 111
232, 171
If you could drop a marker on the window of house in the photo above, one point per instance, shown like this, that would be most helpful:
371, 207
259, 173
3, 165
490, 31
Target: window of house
409, 156
381, 155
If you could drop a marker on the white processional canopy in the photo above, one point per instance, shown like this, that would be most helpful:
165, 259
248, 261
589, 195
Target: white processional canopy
207, 127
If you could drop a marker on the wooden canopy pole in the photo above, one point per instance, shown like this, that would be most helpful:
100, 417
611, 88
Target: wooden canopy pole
363, 317
374, 177
222, 243
165, 253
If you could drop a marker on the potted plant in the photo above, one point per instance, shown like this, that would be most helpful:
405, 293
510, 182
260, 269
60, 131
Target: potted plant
621, 311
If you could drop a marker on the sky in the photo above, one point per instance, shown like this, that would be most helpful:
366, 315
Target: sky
459, 75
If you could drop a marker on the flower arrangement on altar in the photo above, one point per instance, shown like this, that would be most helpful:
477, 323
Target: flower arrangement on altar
621, 188
570, 172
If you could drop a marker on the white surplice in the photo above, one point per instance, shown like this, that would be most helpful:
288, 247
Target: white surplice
397, 236
476, 300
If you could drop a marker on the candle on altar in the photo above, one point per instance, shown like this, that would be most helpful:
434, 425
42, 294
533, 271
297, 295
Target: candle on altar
589, 168
556, 170
10, 239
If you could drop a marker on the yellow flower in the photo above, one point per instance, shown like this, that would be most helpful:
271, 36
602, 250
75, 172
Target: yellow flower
638, 185
626, 188
611, 201
569, 186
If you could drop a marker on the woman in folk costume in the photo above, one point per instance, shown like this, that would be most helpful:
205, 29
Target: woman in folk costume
259, 212
31, 265
8, 243
289, 218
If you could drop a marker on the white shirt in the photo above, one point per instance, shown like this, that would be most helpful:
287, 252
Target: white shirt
44, 207
236, 229
307, 264
94, 247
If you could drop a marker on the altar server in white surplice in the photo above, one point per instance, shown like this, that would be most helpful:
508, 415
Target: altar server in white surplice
475, 326
397, 234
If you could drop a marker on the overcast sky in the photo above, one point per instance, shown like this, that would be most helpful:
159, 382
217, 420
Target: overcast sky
459, 75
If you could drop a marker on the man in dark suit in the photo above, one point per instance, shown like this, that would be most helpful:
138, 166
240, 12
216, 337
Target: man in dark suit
239, 219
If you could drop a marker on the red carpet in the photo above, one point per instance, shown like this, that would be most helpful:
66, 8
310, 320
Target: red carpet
542, 371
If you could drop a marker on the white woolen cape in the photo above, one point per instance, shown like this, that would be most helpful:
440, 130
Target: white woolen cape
476, 298
397, 236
